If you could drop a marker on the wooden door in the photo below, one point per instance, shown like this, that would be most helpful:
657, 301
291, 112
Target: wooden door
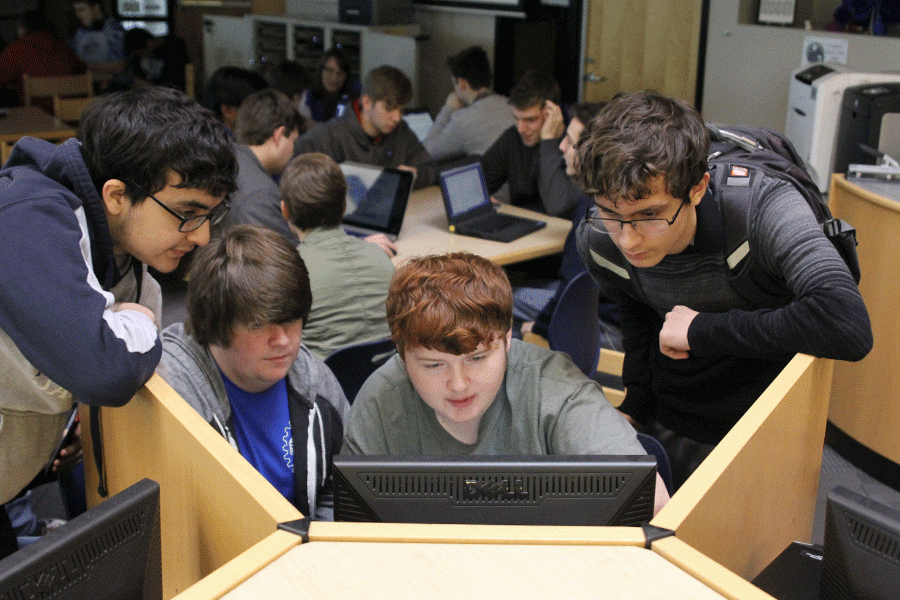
641, 44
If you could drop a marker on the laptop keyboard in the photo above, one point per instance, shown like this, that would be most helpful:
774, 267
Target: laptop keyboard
495, 222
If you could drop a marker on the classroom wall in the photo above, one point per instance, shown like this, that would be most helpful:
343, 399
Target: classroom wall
446, 33
748, 67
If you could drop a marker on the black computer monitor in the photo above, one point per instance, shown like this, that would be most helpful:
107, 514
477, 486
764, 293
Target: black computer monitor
861, 557
111, 552
495, 490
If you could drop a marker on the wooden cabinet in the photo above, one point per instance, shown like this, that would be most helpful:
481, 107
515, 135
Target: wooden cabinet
865, 397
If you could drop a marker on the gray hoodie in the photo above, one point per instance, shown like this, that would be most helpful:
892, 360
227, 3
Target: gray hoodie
191, 370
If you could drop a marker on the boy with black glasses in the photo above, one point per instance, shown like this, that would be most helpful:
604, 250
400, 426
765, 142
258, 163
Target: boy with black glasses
697, 352
81, 222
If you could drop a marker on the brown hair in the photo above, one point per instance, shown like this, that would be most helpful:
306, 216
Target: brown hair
532, 89
314, 190
261, 113
448, 303
249, 275
637, 137
389, 84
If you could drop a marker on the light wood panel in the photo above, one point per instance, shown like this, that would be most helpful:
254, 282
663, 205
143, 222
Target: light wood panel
402, 571
640, 44
70, 109
214, 504
705, 569
69, 85
756, 491
865, 400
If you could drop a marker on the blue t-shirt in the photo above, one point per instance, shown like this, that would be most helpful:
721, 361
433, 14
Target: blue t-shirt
262, 426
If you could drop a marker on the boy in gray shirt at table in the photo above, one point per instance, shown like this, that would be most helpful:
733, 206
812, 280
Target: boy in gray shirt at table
461, 385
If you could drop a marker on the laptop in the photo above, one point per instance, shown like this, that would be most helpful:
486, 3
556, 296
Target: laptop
420, 121
376, 199
471, 212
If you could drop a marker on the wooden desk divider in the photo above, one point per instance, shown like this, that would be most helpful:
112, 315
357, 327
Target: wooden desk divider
753, 496
756, 492
213, 504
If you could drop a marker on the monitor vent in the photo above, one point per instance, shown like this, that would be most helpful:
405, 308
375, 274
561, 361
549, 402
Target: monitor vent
56, 580
873, 540
497, 488
638, 510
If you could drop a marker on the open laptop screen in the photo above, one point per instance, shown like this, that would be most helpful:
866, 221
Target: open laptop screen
464, 189
378, 203
419, 121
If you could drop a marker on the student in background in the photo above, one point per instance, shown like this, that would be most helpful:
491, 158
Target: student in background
239, 362
227, 88
515, 158
292, 80
473, 117
534, 303
461, 385
99, 40
81, 222
151, 60
37, 52
266, 127
332, 87
697, 353
371, 130
349, 277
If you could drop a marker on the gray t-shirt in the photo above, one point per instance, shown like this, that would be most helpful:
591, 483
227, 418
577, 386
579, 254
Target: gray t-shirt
546, 405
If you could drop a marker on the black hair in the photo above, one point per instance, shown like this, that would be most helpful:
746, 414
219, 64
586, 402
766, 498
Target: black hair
230, 86
138, 137
472, 65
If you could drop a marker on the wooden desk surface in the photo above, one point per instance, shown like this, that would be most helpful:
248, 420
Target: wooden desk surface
398, 571
35, 122
425, 232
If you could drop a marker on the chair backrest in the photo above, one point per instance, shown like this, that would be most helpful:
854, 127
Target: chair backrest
353, 365
69, 85
190, 81
574, 326
655, 448
70, 109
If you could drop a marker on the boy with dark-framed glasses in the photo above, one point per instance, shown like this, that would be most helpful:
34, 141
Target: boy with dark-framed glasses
80, 223
697, 352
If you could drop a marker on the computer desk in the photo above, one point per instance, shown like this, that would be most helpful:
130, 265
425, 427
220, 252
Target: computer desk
31, 121
412, 571
750, 499
425, 232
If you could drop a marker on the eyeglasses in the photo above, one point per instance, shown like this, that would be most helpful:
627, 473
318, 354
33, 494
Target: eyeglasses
189, 224
642, 226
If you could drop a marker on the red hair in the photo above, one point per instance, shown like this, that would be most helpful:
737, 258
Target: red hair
449, 303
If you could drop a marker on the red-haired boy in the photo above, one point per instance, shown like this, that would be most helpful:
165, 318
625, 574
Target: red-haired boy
461, 385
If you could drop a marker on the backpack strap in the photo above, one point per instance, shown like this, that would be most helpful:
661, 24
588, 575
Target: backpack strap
736, 189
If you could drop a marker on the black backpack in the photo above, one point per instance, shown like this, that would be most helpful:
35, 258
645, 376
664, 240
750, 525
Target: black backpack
738, 157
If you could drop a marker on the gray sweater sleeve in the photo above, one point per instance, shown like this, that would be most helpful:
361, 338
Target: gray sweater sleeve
558, 193
826, 317
446, 138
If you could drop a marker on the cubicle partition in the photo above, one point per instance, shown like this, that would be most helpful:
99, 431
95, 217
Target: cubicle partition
751, 498
213, 504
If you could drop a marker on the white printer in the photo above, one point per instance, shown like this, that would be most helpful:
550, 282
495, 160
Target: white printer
814, 110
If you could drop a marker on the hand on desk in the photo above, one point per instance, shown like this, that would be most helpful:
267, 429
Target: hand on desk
382, 241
